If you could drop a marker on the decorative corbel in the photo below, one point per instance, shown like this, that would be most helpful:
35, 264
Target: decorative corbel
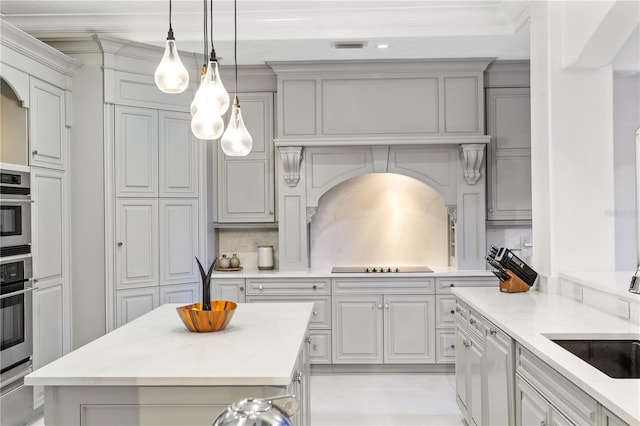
471, 155
311, 211
291, 157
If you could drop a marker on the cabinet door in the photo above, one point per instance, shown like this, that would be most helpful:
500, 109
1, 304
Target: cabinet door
531, 408
178, 241
232, 290
476, 387
48, 330
181, 293
498, 363
48, 224
461, 369
136, 243
509, 154
446, 346
136, 152
409, 329
178, 156
357, 336
130, 304
246, 184
320, 346
47, 130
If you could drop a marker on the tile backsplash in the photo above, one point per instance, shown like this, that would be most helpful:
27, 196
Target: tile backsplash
244, 243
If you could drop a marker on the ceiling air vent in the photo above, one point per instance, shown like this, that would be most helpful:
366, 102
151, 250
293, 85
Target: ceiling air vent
349, 44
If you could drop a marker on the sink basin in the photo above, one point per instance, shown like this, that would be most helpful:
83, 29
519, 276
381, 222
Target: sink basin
619, 359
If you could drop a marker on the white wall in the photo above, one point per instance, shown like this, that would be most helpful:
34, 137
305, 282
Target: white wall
572, 134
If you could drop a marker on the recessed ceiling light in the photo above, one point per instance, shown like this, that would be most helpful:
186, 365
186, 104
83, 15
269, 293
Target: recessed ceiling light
382, 46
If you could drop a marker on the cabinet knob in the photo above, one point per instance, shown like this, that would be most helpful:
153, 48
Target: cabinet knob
270, 211
466, 344
492, 331
315, 348
260, 287
315, 313
452, 346
34, 152
307, 339
297, 377
458, 310
119, 243
241, 289
379, 305
315, 287
386, 306
453, 312
490, 210
452, 285
472, 321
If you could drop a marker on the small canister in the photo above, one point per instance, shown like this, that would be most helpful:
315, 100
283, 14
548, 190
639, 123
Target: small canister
265, 257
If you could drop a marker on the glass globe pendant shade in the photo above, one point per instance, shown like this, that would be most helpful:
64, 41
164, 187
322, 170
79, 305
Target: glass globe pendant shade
211, 91
171, 76
236, 141
207, 123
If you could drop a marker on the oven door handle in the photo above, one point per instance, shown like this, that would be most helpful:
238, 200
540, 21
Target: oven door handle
16, 200
18, 293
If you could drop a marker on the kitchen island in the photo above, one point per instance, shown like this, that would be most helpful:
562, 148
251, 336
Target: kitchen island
154, 371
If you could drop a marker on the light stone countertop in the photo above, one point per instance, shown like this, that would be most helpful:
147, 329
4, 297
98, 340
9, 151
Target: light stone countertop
528, 317
326, 273
259, 347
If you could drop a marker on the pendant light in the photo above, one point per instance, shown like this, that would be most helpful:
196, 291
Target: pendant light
211, 100
236, 140
171, 76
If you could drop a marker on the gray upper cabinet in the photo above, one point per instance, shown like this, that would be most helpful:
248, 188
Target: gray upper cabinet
246, 184
351, 100
509, 152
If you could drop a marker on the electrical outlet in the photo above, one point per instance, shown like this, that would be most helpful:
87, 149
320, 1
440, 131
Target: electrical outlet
577, 293
622, 308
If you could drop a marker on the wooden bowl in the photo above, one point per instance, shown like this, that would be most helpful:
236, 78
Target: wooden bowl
195, 319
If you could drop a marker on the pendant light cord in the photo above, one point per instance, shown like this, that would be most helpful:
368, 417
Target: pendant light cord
206, 42
235, 44
170, 29
213, 50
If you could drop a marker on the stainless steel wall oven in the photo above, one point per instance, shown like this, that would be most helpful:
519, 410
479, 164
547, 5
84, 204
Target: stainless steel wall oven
15, 213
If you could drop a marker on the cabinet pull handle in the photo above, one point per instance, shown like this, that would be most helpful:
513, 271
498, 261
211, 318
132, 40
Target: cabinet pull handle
307, 339
379, 305
458, 310
34, 152
465, 343
119, 243
260, 287
241, 289
315, 313
297, 377
492, 331
472, 321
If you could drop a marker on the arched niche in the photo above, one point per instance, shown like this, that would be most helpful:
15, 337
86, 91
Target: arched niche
13, 128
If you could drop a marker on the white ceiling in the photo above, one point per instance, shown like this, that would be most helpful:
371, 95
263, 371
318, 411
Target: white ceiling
295, 29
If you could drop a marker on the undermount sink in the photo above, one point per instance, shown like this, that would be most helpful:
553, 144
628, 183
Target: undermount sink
619, 359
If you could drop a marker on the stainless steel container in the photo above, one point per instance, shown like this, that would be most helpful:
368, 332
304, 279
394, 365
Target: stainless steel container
259, 412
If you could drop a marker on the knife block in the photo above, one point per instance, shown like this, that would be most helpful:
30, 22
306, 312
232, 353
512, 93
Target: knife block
513, 284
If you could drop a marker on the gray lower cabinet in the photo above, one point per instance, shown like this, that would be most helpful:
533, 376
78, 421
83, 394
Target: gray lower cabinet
384, 329
484, 369
231, 289
313, 290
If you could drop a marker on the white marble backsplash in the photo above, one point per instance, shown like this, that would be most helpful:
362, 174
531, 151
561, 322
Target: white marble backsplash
516, 238
245, 244
380, 219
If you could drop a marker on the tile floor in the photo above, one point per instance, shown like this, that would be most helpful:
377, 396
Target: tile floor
384, 399
381, 399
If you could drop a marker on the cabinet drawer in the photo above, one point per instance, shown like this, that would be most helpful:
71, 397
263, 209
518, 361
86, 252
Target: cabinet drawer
445, 284
320, 347
579, 407
446, 346
320, 316
386, 285
445, 311
288, 287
